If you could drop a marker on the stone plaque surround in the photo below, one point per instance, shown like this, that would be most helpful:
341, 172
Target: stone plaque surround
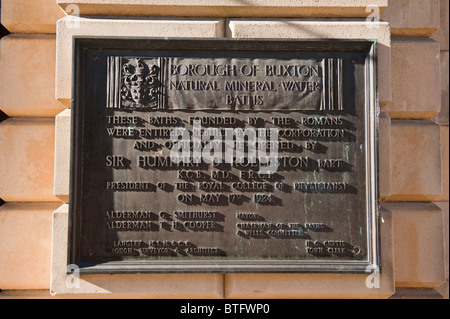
212, 285
327, 97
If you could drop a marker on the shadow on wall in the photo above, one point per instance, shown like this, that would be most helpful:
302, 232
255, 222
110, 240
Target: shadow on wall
3, 116
3, 32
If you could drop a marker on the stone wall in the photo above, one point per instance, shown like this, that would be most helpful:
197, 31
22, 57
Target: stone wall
35, 94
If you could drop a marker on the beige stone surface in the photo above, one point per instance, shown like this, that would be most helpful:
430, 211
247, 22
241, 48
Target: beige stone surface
26, 159
26, 294
174, 27
442, 34
31, 16
314, 286
384, 156
413, 18
416, 82
416, 293
25, 243
118, 286
443, 117
445, 164
415, 161
443, 290
62, 156
445, 221
27, 76
227, 8
314, 29
418, 245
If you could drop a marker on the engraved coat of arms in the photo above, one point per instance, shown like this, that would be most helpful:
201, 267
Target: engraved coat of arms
140, 84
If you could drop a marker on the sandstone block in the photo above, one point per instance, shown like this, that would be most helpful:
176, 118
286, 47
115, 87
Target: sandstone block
418, 245
25, 241
26, 159
445, 214
25, 294
412, 18
442, 34
31, 16
443, 290
27, 77
415, 161
416, 293
416, 82
442, 117
444, 164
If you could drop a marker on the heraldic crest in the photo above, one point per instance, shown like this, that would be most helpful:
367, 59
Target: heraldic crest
140, 84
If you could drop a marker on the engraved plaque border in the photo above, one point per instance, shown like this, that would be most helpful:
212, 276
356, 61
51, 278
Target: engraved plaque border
368, 47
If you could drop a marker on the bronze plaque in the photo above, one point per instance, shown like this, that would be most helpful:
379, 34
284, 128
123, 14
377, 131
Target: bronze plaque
223, 156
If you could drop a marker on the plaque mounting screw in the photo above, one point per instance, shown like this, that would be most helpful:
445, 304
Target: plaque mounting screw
356, 250
94, 59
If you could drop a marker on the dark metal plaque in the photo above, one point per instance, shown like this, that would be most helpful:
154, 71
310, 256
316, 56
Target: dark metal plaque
223, 156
